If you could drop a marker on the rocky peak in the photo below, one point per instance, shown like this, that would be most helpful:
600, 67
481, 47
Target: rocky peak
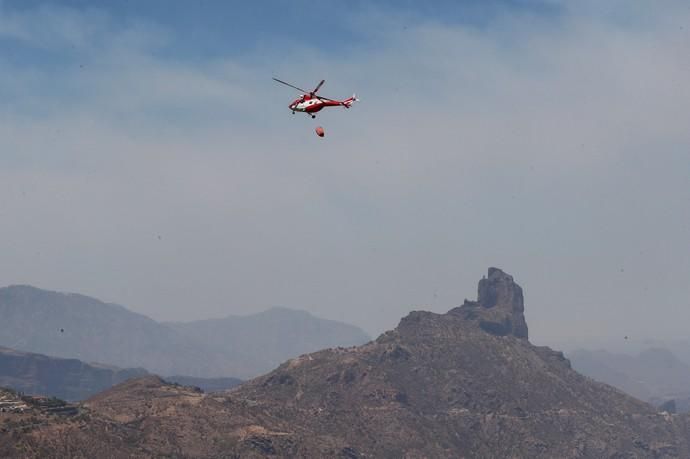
499, 308
499, 290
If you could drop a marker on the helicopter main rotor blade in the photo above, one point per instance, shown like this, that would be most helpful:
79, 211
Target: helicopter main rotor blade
318, 86
288, 84
326, 98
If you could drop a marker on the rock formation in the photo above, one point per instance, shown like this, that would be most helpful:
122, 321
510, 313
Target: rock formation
499, 308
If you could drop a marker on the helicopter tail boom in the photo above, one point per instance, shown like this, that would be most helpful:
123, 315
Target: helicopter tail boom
347, 103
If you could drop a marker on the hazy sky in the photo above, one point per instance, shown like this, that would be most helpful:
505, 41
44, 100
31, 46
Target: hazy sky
147, 158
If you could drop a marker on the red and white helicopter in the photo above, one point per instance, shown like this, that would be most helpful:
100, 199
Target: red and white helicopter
310, 103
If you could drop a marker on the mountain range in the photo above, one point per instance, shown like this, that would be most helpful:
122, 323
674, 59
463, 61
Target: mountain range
260, 342
655, 375
74, 380
67, 379
79, 327
467, 383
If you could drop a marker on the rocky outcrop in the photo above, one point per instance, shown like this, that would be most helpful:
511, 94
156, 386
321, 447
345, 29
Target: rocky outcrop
499, 308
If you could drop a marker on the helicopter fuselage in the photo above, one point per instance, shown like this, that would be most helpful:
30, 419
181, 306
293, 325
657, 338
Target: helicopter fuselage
309, 104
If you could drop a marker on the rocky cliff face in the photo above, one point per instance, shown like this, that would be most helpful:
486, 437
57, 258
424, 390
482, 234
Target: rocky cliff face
462, 384
499, 308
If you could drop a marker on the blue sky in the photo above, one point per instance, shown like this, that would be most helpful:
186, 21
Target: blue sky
206, 29
546, 138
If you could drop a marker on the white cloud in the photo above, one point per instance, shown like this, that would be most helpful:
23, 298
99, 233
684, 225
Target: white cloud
551, 147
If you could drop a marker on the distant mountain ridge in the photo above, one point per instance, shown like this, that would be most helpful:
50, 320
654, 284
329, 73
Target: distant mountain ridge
264, 340
467, 383
74, 380
654, 375
67, 379
76, 326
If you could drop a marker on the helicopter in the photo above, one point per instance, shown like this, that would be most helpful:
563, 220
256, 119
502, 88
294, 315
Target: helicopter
310, 103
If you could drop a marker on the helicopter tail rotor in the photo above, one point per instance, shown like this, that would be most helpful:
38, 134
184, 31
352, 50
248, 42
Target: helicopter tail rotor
347, 103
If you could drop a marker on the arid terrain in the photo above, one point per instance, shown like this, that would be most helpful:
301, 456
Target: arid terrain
467, 383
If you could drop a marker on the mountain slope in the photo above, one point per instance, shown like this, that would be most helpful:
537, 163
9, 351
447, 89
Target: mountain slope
76, 326
652, 375
462, 384
260, 342
205, 384
67, 379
